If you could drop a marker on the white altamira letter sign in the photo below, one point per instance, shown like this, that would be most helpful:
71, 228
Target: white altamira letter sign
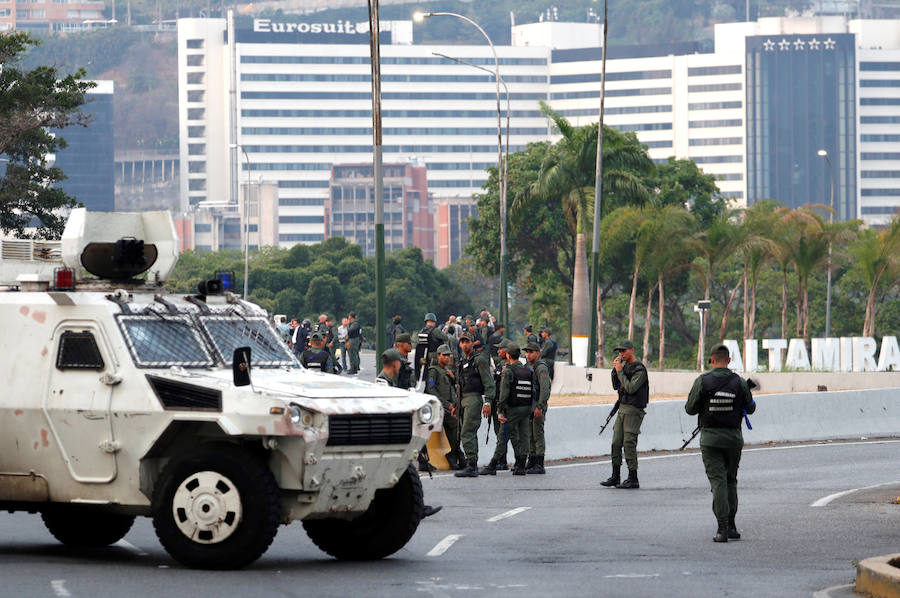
845, 354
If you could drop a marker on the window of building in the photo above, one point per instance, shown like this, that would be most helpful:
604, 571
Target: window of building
717, 159
301, 219
880, 138
194, 44
879, 83
644, 127
880, 174
880, 155
879, 101
879, 120
203, 228
195, 59
387, 131
387, 95
195, 78
716, 141
196, 167
708, 124
879, 66
736, 176
703, 71
196, 184
310, 238
714, 105
715, 87
196, 131
302, 201
656, 144
196, 149
288, 166
881, 192
196, 113
5, 12
195, 95
879, 210
301, 184
623, 76
612, 93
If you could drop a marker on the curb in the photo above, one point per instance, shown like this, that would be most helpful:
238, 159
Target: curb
879, 577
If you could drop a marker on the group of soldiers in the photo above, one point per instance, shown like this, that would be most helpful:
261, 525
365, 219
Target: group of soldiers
480, 376
317, 346
720, 398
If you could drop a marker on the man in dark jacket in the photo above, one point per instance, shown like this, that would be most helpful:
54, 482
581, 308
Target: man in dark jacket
629, 378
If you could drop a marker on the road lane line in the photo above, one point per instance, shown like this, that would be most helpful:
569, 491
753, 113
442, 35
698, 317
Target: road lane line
131, 548
746, 450
510, 513
827, 499
826, 593
631, 575
59, 588
444, 545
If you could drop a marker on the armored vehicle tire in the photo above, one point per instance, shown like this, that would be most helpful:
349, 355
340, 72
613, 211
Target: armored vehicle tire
382, 530
217, 508
85, 527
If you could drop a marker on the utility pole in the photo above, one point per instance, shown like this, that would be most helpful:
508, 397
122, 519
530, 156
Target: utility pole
375, 55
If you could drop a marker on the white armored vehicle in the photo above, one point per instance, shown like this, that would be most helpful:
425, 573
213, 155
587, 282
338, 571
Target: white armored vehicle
123, 400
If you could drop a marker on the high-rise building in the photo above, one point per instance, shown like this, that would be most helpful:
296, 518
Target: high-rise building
50, 15
754, 108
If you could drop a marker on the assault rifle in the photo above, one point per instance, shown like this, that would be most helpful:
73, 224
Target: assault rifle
609, 417
751, 384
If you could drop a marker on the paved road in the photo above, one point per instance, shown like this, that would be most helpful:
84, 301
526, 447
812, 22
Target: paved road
567, 537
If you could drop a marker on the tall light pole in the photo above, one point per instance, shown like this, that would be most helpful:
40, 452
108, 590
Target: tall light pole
824, 154
421, 16
598, 197
375, 60
245, 224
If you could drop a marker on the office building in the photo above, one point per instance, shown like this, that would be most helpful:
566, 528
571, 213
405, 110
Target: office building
753, 108
49, 15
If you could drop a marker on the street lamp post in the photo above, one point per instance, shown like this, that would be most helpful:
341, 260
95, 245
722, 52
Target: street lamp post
824, 154
245, 225
375, 62
421, 16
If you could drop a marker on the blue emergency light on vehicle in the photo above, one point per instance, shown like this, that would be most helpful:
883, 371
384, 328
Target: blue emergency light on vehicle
227, 280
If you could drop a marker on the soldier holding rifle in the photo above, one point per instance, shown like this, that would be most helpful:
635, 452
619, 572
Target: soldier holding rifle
629, 378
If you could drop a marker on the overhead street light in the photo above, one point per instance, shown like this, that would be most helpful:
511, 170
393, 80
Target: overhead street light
822, 153
420, 17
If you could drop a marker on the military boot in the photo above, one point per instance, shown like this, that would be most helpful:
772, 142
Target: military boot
451, 460
520, 466
733, 533
537, 465
722, 532
615, 478
502, 465
490, 468
529, 463
470, 471
632, 482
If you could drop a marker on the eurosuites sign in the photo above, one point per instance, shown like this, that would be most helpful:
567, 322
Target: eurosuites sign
306, 31
844, 354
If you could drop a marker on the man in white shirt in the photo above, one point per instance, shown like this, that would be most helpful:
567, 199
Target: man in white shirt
342, 341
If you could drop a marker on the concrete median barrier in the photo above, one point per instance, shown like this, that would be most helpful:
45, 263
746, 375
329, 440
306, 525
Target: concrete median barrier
879, 577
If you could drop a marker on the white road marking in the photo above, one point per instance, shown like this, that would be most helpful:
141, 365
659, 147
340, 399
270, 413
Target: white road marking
632, 575
59, 588
827, 499
444, 545
131, 548
749, 450
507, 514
826, 593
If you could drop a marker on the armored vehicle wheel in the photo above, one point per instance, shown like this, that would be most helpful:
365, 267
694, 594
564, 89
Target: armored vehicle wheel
85, 527
382, 530
216, 509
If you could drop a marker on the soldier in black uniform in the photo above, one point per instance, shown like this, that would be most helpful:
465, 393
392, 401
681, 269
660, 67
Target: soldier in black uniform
720, 398
317, 356
629, 378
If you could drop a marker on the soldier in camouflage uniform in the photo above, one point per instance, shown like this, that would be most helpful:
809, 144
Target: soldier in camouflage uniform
515, 403
441, 382
541, 379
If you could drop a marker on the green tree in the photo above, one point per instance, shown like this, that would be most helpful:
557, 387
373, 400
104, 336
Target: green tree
324, 295
877, 255
31, 102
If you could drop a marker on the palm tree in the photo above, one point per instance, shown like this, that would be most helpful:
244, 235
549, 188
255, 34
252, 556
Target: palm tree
715, 244
876, 254
624, 226
757, 249
567, 173
808, 251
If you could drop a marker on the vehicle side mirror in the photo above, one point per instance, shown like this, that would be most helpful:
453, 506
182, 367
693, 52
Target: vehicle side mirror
240, 366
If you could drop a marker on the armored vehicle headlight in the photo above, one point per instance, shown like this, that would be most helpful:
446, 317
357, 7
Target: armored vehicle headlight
296, 415
426, 413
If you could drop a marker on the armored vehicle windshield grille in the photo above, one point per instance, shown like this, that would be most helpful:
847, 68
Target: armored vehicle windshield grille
357, 430
179, 395
230, 332
78, 350
157, 340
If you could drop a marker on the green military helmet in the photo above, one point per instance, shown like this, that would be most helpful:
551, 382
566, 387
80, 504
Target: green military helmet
392, 355
430, 317
315, 336
403, 337
532, 346
444, 350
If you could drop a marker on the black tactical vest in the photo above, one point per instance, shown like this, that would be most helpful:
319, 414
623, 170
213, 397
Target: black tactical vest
640, 398
426, 335
723, 401
405, 376
310, 359
521, 392
470, 379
